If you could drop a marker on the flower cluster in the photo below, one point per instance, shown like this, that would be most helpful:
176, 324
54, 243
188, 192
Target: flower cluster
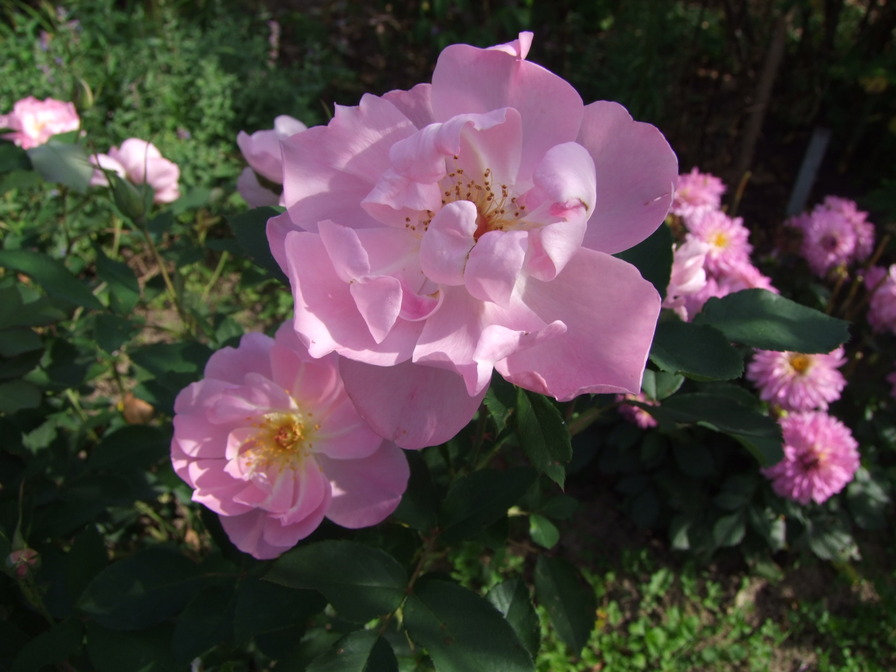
820, 458
139, 162
881, 282
270, 441
33, 122
835, 233
713, 258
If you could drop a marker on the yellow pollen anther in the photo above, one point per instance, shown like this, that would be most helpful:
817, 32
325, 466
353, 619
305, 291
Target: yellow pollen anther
800, 363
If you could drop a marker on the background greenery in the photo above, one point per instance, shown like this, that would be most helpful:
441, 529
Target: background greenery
85, 468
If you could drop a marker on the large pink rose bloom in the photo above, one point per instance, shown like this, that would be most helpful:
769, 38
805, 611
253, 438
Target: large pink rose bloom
437, 234
270, 442
34, 121
139, 162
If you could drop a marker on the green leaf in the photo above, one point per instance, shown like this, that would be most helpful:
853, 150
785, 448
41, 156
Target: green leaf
124, 292
696, 351
829, 538
50, 647
658, 385
758, 433
729, 530
13, 157
419, 505
141, 590
543, 435
477, 500
653, 257
761, 319
267, 608
204, 623
136, 447
570, 604
511, 598
359, 651
19, 179
143, 651
112, 331
361, 582
16, 395
462, 631
15, 312
500, 401
18, 340
56, 279
868, 501
62, 162
250, 229
543, 531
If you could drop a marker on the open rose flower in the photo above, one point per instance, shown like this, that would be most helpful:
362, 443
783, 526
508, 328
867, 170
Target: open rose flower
435, 235
139, 162
270, 442
34, 121
262, 152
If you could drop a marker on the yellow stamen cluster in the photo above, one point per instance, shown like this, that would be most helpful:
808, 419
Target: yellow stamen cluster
281, 440
800, 363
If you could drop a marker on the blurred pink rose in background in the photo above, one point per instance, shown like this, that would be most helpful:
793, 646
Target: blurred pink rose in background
34, 121
139, 162
270, 442
262, 152
435, 235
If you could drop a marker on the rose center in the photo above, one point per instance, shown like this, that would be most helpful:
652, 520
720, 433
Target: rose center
720, 240
281, 440
800, 363
496, 208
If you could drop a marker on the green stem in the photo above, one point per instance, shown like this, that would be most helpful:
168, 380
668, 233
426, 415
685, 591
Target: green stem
172, 292
215, 276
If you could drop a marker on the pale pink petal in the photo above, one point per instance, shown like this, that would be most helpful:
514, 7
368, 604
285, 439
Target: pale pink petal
105, 163
329, 169
495, 264
233, 365
253, 193
366, 491
636, 176
379, 302
550, 108
610, 313
413, 405
415, 104
447, 242
518, 47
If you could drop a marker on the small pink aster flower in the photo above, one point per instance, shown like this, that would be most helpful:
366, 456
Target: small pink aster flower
881, 282
695, 192
139, 162
262, 152
734, 279
270, 441
858, 219
796, 381
636, 414
829, 240
820, 458
728, 239
34, 121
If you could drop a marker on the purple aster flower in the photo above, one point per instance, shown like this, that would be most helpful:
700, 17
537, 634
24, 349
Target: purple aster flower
796, 381
858, 219
820, 458
829, 240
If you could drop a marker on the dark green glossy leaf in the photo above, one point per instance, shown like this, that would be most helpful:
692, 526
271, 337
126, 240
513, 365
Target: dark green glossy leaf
50, 647
141, 590
462, 631
729, 530
18, 340
543, 435
124, 292
653, 258
265, 608
250, 231
419, 505
543, 531
143, 651
359, 651
360, 581
477, 500
132, 447
696, 351
760, 434
16, 312
50, 274
62, 162
204, 623
658, 385
16, 395
570, 602
500, 400
761, 319
511, 598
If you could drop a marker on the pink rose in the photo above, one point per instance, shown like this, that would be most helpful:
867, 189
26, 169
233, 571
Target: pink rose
139, 162
262, 152
468, 226
34, 121
270, 442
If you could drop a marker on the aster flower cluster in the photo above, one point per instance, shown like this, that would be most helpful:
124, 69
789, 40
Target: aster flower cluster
713, 259
881, 282
834, 234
